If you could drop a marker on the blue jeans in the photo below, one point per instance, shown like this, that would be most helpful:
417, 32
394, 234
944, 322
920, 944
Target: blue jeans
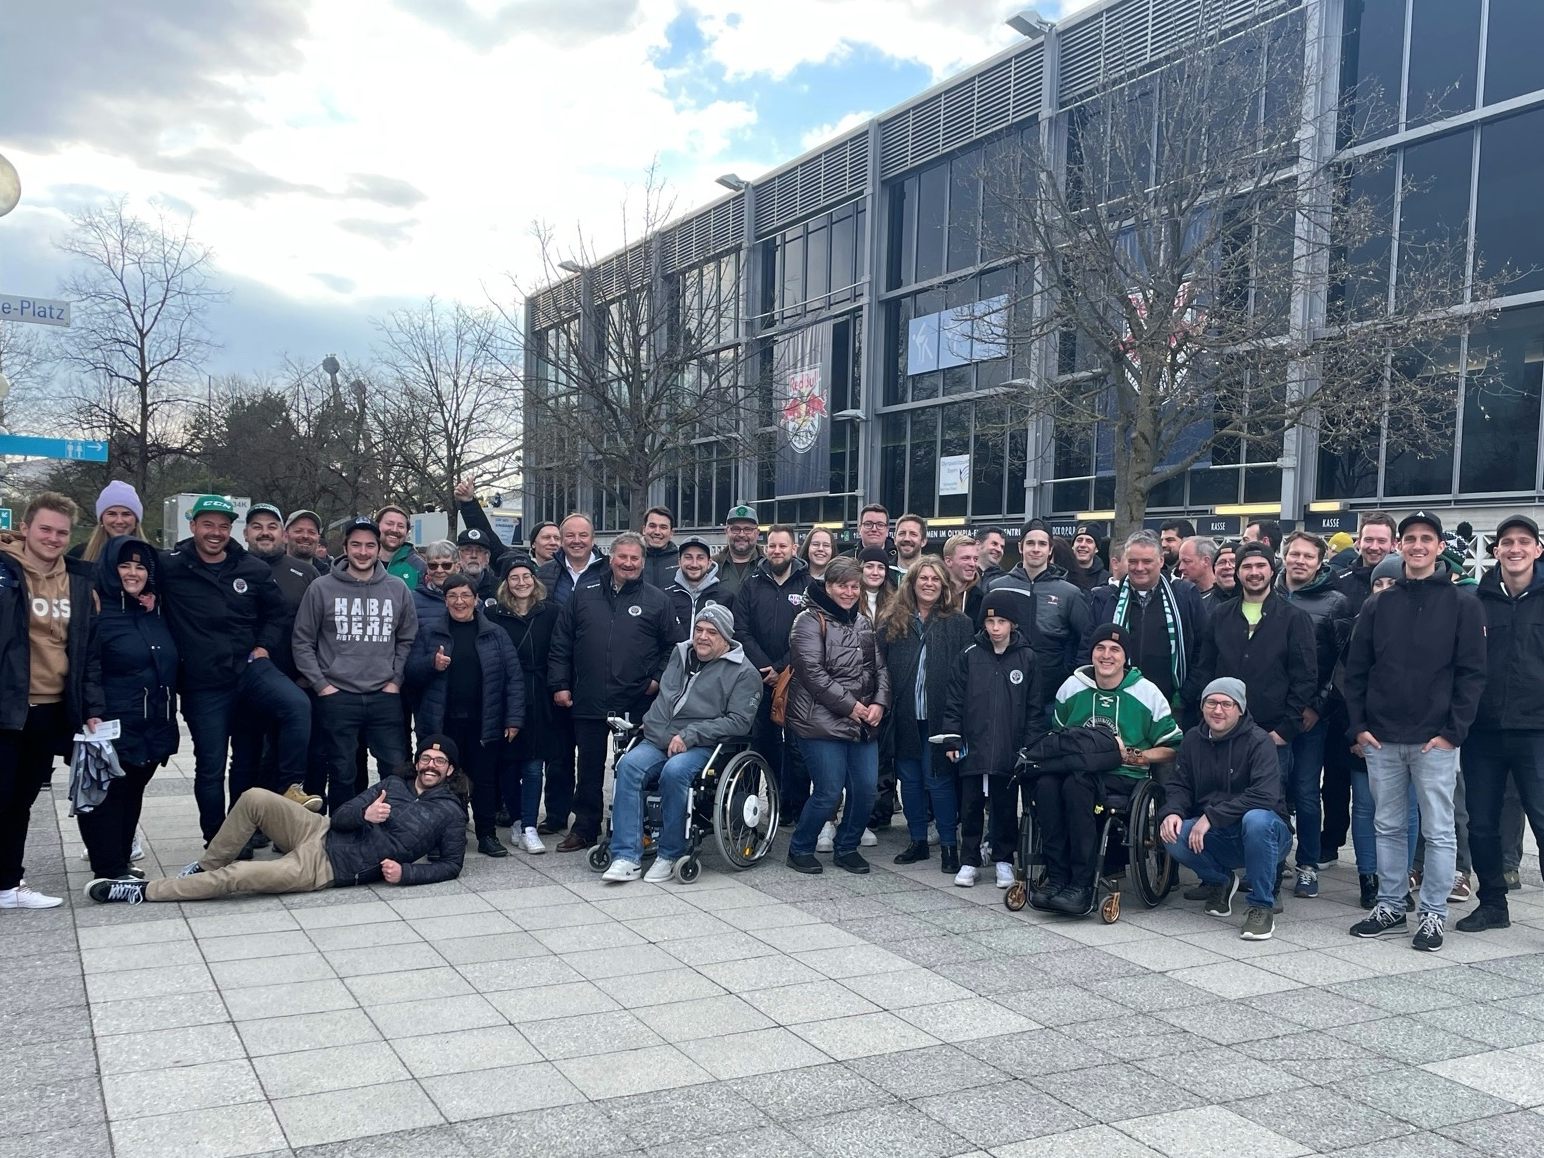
1302, 773
1392, 771
530, 777
637, 772
1363, 839
1257, 844
920, 786
210, 715
835, 765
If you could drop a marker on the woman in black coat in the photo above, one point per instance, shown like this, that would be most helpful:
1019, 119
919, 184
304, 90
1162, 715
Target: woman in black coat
470, 688
522, 609
134, 663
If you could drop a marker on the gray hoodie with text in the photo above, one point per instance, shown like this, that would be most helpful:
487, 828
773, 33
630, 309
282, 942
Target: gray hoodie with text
354, 634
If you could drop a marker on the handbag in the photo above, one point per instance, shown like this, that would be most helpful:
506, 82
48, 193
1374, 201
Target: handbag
779, 710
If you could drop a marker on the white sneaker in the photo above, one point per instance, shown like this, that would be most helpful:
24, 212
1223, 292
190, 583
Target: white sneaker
868, 839
1004, 873
25, 897
826, 841
622, 870
966, 877
135, 851
531, 842
660, 871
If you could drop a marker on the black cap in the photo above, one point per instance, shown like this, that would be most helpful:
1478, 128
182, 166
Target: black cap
1426, 517
264, 509
361, 523
1008, 603
699, 544
438, 743
1087, 529
1112, 633
519, 559
1256, 547
1035, 525
1522, 521
472, 537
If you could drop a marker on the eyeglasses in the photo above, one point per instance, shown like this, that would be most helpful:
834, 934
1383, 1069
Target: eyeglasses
439, 762
445, 565
459, 596
872, 523
1216, 705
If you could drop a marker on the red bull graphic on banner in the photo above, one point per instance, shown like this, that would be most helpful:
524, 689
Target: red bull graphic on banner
801, 400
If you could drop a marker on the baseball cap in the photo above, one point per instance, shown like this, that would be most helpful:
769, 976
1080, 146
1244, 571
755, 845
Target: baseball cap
303, 514
212, 505
264, 509
741, 513
472, 537
1426, 517
1522, 521
699, 544
361, 523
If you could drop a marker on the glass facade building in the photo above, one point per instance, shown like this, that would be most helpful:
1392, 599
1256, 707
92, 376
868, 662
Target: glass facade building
888, 243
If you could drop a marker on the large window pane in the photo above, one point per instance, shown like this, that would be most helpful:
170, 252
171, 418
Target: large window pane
1508, 227
1512, 49
1371, 63
987, 460
1420, 450
817, 264
843, 250
922, 488
1364, 228
955, 440
1351, 473
1501, 404
932, 210
964, 211
1444, 59
892, 463
1434, 220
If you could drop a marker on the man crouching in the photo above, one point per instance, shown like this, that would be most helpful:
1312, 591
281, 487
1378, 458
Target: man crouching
377, 836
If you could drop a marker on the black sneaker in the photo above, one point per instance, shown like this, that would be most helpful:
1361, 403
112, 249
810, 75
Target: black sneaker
1041, 896
1485, 917
1428, 935
1381, 920
804, 863
105, 890
1199, 892
949, 858
551, 828
491, 846
1259, 924
913, 852
1368, 883
853, 862
1219, 898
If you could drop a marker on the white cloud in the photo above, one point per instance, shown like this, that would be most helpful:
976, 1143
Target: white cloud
822, 133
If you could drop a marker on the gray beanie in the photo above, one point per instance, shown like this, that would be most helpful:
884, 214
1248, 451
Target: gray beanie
719, 617
1391, 567
1230, 687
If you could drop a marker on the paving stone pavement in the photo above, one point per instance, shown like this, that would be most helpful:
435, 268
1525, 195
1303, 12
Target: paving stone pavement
528, 1008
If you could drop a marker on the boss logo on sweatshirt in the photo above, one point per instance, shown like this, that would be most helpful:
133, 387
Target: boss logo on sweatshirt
50, 608
363, 620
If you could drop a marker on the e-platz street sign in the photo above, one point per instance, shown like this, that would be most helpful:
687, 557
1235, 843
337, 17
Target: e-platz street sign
40, 311
71, 448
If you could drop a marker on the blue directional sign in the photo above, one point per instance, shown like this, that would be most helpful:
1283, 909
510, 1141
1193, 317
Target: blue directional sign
71, 448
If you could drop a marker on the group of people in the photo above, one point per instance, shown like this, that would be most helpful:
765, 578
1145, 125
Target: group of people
1278, 699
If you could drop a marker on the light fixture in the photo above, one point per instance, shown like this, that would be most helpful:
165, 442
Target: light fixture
1326, 506
1096, 516
733, 182
848, 415
571, 266
1029, 22
1248, 509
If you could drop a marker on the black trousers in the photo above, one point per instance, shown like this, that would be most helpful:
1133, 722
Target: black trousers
26, 763
1068, 828
108, 829
1335, 791
592, 738
784, 758
351, 720
887, 793
487, 769
1491, 758
996, 810
559, 788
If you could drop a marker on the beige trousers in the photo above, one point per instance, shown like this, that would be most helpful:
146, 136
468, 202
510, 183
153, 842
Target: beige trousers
303, 869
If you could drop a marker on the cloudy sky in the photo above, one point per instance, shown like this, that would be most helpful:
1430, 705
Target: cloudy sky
342, 157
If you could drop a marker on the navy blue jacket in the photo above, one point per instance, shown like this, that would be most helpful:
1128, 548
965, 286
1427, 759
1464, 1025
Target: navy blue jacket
134, 663
432, 825
503, 686
218, 618
531, 637
610, 644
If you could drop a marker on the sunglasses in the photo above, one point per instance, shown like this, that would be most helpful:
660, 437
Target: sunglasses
445, 566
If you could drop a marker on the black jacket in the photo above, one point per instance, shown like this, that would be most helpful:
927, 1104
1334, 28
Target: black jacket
1073, 751
684, 605
732, 575
293, 577
218, 616
946, 641
531, 637
994, 704
1224, 778
80, 700
1355, 583
1416, 665
764, 613
1097, 575
609, 645
555, 578
1514, 654
432, 825
503, 686
1061, 620
1278, 663
1331, 615
134, 663
660, 563
1101, 609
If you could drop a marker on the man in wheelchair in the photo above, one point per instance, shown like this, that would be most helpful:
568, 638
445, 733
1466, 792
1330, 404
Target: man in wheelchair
709, 694
1114, 696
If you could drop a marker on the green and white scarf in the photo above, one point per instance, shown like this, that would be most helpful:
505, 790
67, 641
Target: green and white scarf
1171, 620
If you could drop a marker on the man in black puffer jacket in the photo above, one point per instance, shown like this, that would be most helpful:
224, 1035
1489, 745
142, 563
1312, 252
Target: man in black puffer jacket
377, 836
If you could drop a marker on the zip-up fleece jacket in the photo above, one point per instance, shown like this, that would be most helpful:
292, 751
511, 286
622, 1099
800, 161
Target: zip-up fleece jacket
16, 610
994, 704
1278, 663
686, 600
704, 703
837, 664
610, 644
1223, 777
219, 614
355, 634
1134, 710
406, 564
503, 683
1514, 653
134, 663
1331, 615
764, 612
1416, 665
432, 825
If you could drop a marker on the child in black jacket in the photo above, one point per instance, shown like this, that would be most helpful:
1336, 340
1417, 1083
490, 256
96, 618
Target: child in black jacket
994, 704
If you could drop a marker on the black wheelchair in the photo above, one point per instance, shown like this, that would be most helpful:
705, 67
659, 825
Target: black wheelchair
733, 800
1128, 847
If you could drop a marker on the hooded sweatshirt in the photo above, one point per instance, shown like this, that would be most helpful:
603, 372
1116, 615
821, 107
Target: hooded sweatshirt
686, 597
48, 626
355, 634
1134, 708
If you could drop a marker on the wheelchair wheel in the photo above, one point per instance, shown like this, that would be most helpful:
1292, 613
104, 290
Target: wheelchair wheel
1016, 896
745, 810
1030, 862
600, 856
688, 869
1109, 911
1151, 867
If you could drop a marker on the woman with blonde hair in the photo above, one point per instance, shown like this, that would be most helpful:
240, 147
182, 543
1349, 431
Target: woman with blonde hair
924, 632
118, 512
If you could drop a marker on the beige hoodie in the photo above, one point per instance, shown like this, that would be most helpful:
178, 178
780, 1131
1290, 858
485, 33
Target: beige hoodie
48, 589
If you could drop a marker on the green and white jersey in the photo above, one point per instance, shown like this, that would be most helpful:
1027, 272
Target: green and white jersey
1136, 711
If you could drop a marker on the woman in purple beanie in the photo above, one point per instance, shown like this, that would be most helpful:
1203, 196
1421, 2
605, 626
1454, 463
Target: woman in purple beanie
118, 512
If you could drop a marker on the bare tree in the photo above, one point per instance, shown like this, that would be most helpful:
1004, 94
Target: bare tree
1180, 259
26, 361
627, 388
139, 290
446, 402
